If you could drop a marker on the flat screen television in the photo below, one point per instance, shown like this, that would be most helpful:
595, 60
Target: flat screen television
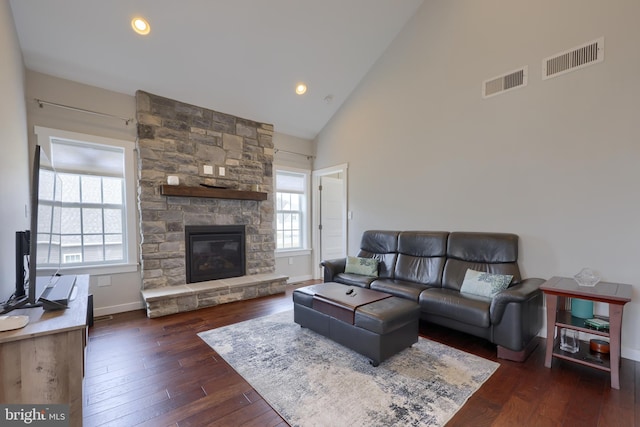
38, 250
46, 222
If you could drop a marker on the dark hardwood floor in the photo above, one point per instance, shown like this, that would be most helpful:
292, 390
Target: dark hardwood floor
157, 372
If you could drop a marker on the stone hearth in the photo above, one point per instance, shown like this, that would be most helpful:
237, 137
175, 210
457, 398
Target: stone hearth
179, 139
176, 299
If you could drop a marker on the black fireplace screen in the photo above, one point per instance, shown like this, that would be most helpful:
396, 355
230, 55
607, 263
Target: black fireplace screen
214, 252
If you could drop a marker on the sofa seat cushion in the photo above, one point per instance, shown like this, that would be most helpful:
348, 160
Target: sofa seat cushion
451, 304
399, 288
354, 279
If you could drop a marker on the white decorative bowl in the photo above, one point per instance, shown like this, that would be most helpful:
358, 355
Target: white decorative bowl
587, 277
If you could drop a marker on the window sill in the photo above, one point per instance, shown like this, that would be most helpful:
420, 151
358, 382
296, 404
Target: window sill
283, 253
97, 270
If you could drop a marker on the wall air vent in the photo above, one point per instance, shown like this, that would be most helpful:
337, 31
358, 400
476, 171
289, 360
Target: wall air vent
506, 82
573, 59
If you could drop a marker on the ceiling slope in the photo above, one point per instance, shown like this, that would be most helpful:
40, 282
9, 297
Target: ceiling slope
241, 57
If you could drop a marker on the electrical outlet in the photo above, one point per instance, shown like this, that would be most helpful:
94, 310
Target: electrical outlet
104, 281
290, 260
208, 170
221, 171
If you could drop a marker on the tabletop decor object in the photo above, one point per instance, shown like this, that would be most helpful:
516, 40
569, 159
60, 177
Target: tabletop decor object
587, 277
583, 308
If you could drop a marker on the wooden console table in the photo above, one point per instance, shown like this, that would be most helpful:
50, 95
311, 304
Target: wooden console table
44, 361
614, 294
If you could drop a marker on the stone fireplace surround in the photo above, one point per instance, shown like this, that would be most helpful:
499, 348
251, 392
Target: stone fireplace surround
179, 139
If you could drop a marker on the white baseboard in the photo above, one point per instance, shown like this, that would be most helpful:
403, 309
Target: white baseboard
120, 308
299, 279
630, 353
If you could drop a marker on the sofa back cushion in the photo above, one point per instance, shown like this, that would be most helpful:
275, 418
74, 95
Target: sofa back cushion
383, 246
495, 253
421, 256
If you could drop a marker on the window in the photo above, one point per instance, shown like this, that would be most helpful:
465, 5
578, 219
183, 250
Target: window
291, 209
69, 258
98, 209
92, 218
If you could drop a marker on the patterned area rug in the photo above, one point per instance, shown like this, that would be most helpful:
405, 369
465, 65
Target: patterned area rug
312, 381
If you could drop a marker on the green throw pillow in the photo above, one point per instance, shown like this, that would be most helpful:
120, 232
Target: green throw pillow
484, 284
362, 266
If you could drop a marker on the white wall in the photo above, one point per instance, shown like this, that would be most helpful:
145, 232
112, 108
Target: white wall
555, 162
295, 265
14, 161
122, 290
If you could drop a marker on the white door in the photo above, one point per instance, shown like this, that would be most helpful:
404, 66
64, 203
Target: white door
329, 215
332, 238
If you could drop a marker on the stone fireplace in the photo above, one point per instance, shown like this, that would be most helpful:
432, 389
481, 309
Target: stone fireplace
220, 161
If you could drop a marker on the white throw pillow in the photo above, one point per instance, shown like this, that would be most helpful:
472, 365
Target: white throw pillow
362, 266
484, 284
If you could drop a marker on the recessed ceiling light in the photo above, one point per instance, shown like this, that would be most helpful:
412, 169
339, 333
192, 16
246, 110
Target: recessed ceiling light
301, 88
140, 26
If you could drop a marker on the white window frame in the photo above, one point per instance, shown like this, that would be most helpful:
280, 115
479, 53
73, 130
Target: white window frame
130, 264
306, 213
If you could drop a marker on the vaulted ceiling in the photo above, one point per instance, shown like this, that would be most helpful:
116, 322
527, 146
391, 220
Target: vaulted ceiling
241, 57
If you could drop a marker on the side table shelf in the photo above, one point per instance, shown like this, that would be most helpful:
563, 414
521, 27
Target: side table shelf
564, 319
584, 356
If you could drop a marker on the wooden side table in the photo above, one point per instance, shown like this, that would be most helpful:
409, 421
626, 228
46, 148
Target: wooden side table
614, 294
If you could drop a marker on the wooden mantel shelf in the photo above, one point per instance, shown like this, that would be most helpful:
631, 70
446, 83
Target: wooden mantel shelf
213, 193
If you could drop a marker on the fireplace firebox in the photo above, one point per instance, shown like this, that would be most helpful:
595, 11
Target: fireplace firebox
214, 252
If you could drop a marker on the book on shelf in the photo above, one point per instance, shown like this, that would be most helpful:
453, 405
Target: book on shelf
598, 324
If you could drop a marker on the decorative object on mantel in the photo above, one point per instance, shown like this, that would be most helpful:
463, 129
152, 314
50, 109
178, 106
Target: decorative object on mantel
212, 193
173, 180
587, 277
213, 186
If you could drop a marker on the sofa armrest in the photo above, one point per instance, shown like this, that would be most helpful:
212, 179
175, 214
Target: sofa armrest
519, 293
332, 267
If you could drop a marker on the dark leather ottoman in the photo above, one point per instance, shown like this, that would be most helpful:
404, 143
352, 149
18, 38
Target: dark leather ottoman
374, 324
